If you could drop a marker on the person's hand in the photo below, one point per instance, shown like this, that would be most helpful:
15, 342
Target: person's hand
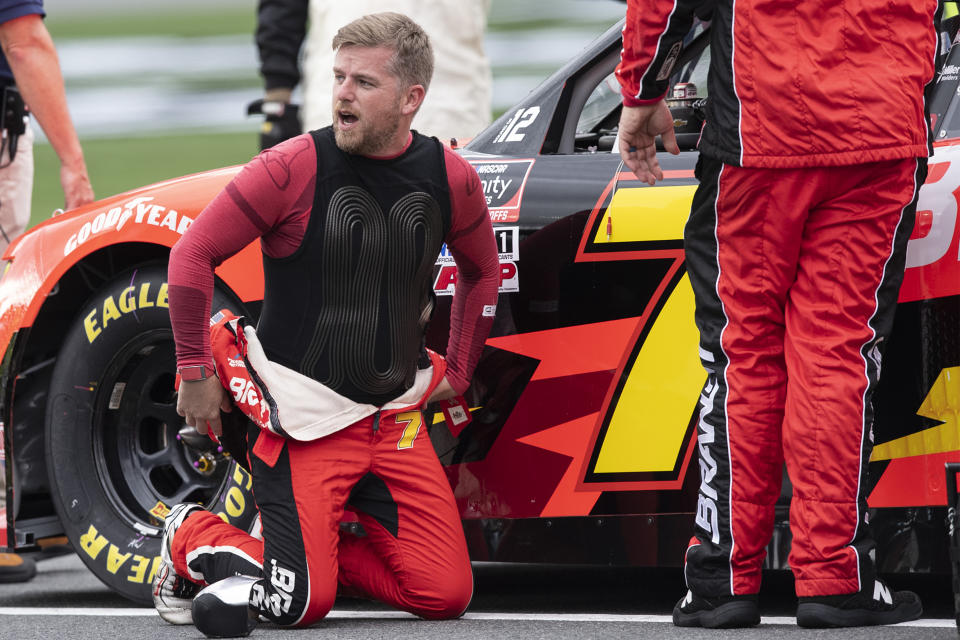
76, 187
639, 128
443, 391
200, 403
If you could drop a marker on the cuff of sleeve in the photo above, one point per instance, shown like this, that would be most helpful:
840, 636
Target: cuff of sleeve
194, 362
632, 101
24, 9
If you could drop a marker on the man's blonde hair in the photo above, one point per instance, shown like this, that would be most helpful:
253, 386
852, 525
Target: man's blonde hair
412, 61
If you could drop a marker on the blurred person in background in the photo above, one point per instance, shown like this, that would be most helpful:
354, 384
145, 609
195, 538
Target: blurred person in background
458, 105
32, 83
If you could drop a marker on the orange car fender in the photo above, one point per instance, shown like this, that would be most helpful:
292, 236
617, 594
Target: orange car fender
158, 214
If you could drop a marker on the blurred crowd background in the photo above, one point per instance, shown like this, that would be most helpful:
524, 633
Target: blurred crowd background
159, 88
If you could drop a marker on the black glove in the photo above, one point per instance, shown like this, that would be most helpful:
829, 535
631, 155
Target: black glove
282, 121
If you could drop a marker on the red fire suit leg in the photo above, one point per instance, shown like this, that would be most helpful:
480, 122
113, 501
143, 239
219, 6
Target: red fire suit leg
422, 566
206, 549
413, 555
838, 315
785, 341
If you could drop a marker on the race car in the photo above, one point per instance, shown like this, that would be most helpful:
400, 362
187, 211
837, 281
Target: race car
581, 430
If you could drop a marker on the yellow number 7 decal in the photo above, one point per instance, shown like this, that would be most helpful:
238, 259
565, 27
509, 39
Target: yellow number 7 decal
413, 420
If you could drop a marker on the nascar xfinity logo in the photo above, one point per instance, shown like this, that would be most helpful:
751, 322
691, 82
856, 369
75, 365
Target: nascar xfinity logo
503, 183
139, 210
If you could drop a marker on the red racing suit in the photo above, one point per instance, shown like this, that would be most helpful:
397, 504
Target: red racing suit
379, 462
796, 84
381, 468
812, 154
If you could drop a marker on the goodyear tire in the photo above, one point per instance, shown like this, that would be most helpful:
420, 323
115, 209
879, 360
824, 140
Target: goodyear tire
115, 463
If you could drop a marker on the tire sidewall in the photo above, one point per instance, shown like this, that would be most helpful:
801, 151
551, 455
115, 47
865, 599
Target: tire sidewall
120, 549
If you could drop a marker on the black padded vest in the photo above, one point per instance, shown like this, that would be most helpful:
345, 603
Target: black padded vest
349, 307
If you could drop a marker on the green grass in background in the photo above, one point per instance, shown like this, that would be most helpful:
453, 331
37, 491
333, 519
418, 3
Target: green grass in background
197, 22
223, 20
120, 164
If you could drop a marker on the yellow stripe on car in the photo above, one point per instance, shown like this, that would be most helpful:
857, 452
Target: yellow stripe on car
942, 403
650, 213
646, 431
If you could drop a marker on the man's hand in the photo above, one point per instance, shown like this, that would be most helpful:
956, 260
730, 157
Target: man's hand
639, 128
76, 186
443, 391
200, 403
282, 120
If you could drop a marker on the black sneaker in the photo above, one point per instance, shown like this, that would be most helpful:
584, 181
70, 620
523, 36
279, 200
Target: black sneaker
861, 609
724, 612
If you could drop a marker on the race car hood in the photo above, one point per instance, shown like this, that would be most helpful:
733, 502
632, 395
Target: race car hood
157, 213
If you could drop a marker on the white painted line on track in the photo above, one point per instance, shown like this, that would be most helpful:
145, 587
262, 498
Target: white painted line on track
613, 617
75, 611
480, 616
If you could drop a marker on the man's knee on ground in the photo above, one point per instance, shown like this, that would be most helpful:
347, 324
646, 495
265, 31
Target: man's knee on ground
291, 608
445, 599
321, 602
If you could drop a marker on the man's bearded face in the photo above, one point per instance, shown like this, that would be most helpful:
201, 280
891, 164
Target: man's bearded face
366, 100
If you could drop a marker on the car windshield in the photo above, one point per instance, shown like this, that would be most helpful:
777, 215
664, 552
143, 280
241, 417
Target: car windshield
602, 102
598, 121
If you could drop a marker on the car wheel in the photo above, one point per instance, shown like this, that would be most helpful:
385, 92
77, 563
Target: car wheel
115, 460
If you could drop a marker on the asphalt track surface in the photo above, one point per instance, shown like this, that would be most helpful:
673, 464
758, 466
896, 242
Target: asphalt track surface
66, 602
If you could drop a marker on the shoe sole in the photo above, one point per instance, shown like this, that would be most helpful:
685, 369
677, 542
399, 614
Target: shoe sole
813, 615
174, 614
731, 615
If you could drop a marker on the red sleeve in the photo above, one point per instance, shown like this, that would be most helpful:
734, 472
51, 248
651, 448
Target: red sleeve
269, 199
652, 37
474, 249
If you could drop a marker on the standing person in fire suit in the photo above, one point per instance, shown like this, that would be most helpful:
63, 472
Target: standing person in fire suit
458, 107
811, 158
350, 219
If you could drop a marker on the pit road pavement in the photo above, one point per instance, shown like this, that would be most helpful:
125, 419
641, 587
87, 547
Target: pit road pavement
65, 601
